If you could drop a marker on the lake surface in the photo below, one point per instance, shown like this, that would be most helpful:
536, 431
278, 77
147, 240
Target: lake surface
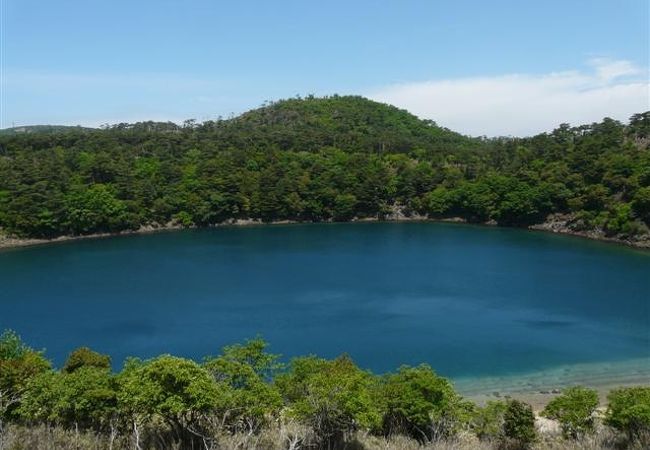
470, 301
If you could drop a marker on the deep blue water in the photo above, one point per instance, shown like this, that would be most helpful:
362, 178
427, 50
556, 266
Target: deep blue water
470, 301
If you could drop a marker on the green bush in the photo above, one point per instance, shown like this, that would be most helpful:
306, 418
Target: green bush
519, 424
641, 204
420, 403
629, 411
574, 410
438, 202
40, 397
18, 365
175, 389
85, 398
334, 397
94, 208
11, 346
243, 373
85, 357
488, 421
170, 402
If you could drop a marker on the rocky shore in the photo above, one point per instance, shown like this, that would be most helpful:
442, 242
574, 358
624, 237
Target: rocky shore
555, 223
569, 225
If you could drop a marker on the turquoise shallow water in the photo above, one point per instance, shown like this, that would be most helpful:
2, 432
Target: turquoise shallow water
470, 301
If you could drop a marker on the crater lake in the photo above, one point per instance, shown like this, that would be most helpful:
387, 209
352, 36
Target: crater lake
471, 301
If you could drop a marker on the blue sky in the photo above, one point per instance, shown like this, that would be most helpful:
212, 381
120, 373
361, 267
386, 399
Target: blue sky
493, 68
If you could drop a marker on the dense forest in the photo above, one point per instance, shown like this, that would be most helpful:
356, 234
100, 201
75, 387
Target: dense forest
321, 159
245, 397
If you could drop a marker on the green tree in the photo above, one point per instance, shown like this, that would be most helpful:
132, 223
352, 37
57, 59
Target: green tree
12, 346
420, 403
18, 365
319, 159
243, 372
476, 201
628, 411
177, 390
85, 357
95, 209
574, 409
488, 421
620, 220
641, 204
85, 398
344, 206
334, 397
439, 202
41, 394
595, 197
519, 424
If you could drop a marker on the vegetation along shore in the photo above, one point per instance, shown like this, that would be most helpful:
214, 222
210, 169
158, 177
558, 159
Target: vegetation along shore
322, 159
244, 397
550, 226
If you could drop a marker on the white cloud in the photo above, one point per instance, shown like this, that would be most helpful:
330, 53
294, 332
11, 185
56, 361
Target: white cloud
524, 104
608, 70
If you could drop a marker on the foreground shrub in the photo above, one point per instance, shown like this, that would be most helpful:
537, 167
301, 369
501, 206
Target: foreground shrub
518, 425
11, 346
18, 365
245, 399
86, 398
244, 372
175, 389
335, 398
629, 412
574, 409
488, 421
40, 397
85, 357
420, 404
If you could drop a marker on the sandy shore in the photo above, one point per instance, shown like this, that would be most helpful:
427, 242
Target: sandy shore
538, 401
538, 388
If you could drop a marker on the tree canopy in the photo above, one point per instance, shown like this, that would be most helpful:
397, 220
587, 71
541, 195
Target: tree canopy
320, 159
174, 402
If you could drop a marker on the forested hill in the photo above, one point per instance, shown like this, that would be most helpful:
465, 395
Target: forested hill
42, 129
349, 123
317, 159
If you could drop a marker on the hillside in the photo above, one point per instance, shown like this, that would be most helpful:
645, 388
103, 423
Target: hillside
350, 123
31, 129
319, 159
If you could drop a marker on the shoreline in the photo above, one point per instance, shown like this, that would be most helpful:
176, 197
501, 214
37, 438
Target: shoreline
538, 400
538, 388
560, 224
550, 226
535, 388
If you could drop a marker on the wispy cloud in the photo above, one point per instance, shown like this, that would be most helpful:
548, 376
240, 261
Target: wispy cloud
510, 104
525, 104
608, 70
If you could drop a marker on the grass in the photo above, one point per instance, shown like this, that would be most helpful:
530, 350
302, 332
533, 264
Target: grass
290, 436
